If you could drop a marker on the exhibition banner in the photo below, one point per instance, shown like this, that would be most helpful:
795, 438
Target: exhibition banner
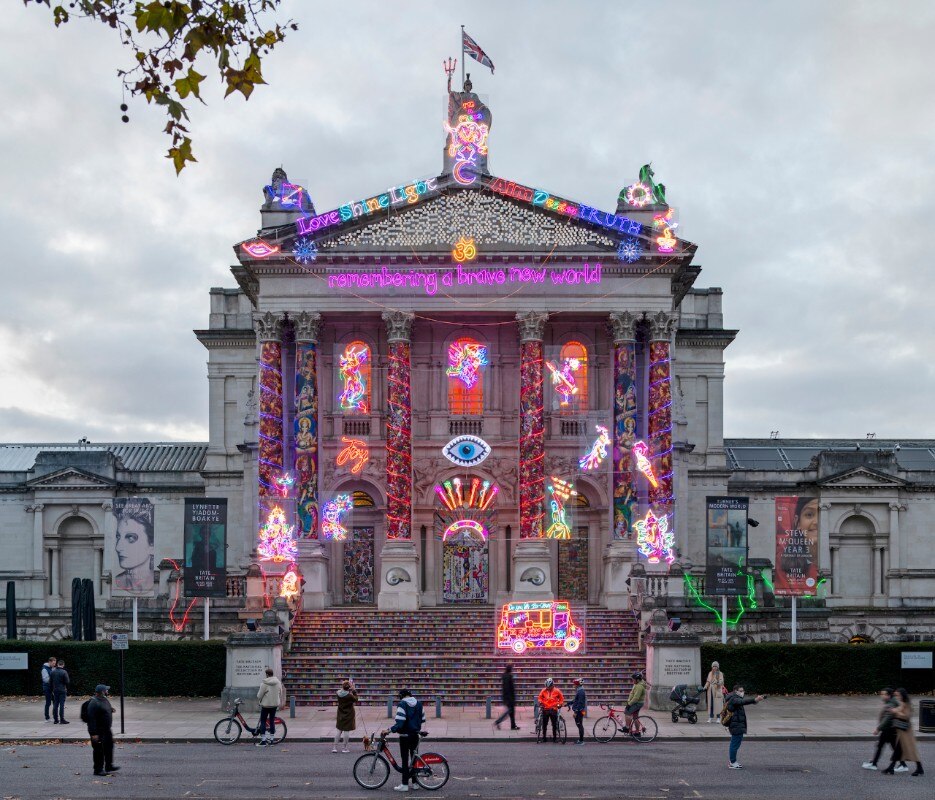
726, 539
134, 543
205, 547
796, 570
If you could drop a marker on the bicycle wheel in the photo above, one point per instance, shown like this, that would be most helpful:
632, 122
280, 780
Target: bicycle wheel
227, 731
540, 729
280, 731
605, 729
371, 770
648, 730
562, 732
430, 771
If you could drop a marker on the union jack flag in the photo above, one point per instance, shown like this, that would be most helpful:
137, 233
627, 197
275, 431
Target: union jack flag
473, 49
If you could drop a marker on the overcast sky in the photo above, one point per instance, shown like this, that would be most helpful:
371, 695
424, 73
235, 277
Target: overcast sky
796, 140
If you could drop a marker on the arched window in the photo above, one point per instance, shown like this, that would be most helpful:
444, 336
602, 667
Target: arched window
574, 361
466, 359
354, 378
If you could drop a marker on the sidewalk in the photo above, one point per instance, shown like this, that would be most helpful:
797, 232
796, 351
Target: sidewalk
182, 719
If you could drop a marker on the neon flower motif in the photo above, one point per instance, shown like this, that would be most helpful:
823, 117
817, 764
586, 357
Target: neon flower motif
667, 224
639, 194
290, 583
465, 250
479, 495
284, 482
629, 251
564, 379
598, 451
260, 249
654, 539
304, 250
357, 451
465, 360
640, 449
466, 141
276, 542
560, 491
332, 514
355, 386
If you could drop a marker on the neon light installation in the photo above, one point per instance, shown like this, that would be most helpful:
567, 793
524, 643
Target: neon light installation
629, 250
654, 539
479, 495
466, 141
462, 525
660, 422
304, 250
538, 625
561, 491
465, 358
332, 516
289, 195
354, 395
260, 249
179, 625
666, 223
531, 441
465, 250
625, 424
640, 450
563, 378
276, 541
598, 452
356, 451
285, 482
305, 437
290, 586
466, 450
692, 591
639, 194
270, 490
399, 443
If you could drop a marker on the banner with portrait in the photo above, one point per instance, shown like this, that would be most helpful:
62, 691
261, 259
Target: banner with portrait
134, 544
205, 547
796, 570
726, 538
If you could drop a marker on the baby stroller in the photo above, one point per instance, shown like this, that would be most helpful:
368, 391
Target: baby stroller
686, 704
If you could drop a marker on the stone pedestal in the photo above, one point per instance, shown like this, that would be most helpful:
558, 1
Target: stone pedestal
671, 658
313, 564
399, 587
619, 559
532, 571
248, 656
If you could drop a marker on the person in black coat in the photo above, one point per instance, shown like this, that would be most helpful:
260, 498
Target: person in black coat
60, 681
100, 721
735, 703
508, 697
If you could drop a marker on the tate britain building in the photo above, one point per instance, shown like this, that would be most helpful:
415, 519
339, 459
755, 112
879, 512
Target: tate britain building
464, 389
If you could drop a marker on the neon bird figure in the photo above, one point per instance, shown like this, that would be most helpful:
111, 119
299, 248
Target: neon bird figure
560, 491
564, 379
355, 387
640, 449
598, 450
654, 539
332, 513
465, 360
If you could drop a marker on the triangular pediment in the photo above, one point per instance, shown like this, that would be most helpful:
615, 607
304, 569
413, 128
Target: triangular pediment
861, 478
70, 478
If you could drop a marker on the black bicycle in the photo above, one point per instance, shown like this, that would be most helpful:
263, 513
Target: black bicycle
228, 730
542, 728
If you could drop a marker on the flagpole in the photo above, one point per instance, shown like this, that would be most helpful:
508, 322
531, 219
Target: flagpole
462, 58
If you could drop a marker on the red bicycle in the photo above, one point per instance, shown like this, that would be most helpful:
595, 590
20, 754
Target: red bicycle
642, 729
228, 730
372, 769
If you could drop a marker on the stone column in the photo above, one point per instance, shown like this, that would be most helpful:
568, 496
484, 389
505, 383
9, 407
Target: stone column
56, 577
399, 571
37, 585
661, 497
833, 560
824, 537
107, 566
532, 566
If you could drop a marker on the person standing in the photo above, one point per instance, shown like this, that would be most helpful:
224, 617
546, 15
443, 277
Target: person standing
508, 698
271, 697
579, 707
47, 684
410, 717
550, 701
100, 721
906, 748
60, 682
885, 729
715, 689
347, 717
735, 703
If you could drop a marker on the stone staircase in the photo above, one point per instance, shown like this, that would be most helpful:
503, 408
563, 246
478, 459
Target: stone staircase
449, 653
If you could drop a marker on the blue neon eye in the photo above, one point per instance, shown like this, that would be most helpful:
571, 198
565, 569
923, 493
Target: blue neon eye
466, 451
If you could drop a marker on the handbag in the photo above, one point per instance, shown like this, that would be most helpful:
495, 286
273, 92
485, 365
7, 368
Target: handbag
724, 690
901, 724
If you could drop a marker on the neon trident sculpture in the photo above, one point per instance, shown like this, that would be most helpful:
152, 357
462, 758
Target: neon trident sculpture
355, 386
332, 514
654, 539
640, 449
560, 491
564, 379
598, 450
465, 360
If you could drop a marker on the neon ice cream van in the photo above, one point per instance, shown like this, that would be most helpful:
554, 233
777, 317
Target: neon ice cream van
538, 624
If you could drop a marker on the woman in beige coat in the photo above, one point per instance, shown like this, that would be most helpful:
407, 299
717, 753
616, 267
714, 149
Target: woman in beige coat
906, 749
714, 690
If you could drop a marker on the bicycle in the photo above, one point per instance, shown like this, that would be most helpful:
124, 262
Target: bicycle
372, 769
228, 730
542, 728
642, 729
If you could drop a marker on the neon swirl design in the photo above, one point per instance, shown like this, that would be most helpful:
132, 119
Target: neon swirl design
356, 451
399, 444
531, 441
276, 540
305, 433
625, 423
640, 449
561, 491
466, 141
332, 518
354, 396
598, 452
654, 539
465, 360
563, 378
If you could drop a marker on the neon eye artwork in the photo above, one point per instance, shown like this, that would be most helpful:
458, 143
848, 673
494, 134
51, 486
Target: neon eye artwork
355, 451
304, 250
465, 360
560, 491
629, 251
598, 451
640, 450
466, 450
667, 224
332, 515
466, 141
455, 494
354, 396
563, 378
260, 249
654, 539
276, 542
465, 250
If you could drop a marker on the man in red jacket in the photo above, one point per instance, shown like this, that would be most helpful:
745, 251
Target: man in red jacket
550, 701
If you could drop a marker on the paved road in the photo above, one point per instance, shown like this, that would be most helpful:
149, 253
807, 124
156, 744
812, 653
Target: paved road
670, 770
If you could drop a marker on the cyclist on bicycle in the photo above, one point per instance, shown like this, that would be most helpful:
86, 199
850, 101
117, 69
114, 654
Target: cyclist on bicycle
409, 720
635, 699
550, 701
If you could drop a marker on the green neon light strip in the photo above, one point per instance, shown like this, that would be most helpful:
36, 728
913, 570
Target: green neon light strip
751, 599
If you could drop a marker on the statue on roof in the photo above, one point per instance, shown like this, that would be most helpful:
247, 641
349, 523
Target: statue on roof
467, 126
280, 195
644, 192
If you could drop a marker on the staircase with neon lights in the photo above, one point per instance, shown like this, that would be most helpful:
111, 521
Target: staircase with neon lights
448, 652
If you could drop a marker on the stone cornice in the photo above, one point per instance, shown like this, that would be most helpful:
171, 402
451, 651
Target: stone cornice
705, 337
226, 337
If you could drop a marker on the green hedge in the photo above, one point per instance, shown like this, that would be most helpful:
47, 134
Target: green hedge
782, 668
152, 669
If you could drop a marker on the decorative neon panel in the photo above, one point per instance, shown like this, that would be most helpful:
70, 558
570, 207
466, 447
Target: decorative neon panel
665, 225
466, 141
640, 449
654, 539
465, 358
468, 493
276, 540
624, 435
563, 378
660, 422
459, 527
305, 432
332, 518
355, 453
464, 250
559, 491
466, 450
598, 452
531, 441
291, 585
355, 394
260, 249
541, 625
399, 444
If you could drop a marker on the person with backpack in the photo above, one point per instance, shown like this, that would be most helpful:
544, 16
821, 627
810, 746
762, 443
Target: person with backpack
579, 707
734, 718
59, 681
408, 723
98, 713
508, 697
47, 684
270, 697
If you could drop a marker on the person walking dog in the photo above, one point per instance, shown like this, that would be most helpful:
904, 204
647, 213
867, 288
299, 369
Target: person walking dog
737, 721
347, 717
